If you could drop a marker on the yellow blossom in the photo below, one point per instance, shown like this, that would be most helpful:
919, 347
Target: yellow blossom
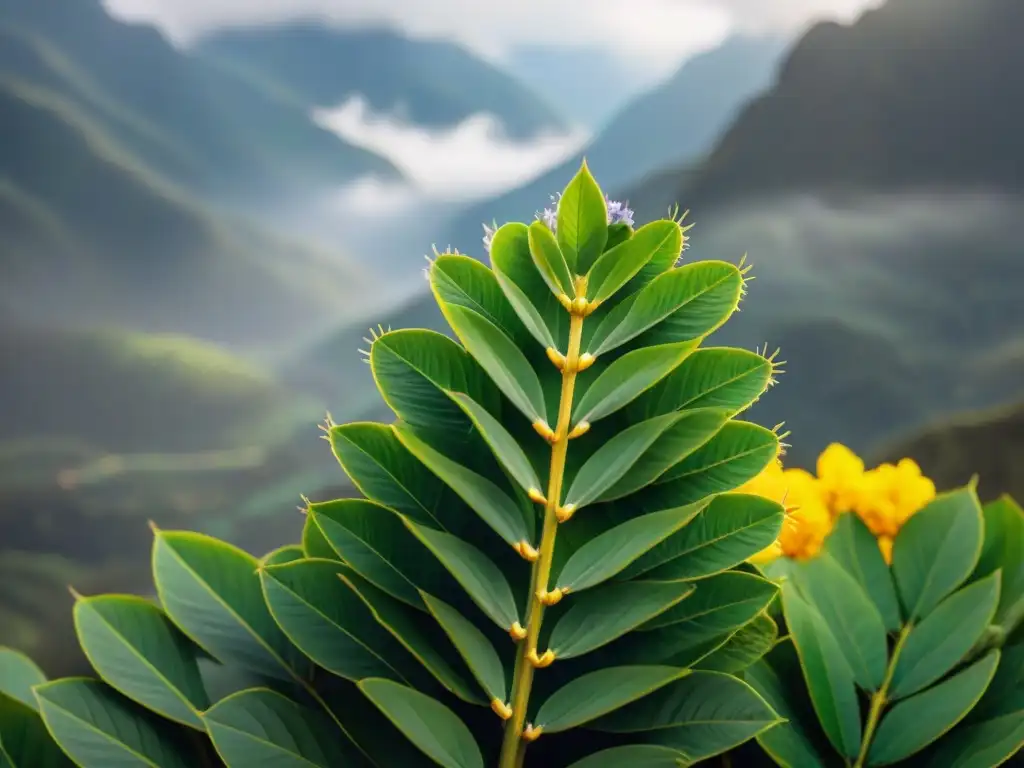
807, 522
841, 478
892, 493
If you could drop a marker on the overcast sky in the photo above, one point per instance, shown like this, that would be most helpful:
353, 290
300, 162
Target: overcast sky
659, 33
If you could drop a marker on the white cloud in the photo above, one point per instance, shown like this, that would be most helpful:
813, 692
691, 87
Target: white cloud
652, 34
469, 161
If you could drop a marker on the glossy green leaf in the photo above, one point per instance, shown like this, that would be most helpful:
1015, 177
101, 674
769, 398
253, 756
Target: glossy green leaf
582, 221
714, 377
136, 649
18, 673
606, 555
721, 604
313, 542
614, 459
849, 614
24, 740
96, 726
427, 723
550, 262
626, 378
327, 621
744, 647
936, 550
736, 453
618, 233
286, 554
425, 641
377, 545
608, 612
688, 432
731, 529
595, 694
383, 470
635, 756
981, 745
617, 266
479, 576
512, 266
829, 679
504, 446
1003, 548
211, 591
491, 503
462, 281
914, 723
796, 743
944, 637
705, 318
856, 549
695, 298
414, 369
501, 358
473, 645
701, 714
261, 727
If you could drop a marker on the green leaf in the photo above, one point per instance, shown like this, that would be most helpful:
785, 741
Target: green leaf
608, 612
944, 637
594, 694
617, 266
744, 647
425, 641
482, 579
983, 745
18, 673
24, 740
96, 726
614, 459
504, 446
854, 618
490, 502
211, 591
796, 742
582, 222
635, 756
514, 269
377, 545
688, 432
261, 727
914, 723
476, 650
737, 453
606, 555
313, 542
327, 622
414, 370
136, 649
721, 604
701, 715
286, 554
731, 529
461, 281
383, 470
828, 676
628, 377
427, 723
1003, 548
695, 299
501, 358
855, 548
936, 550
550, 262
715, 377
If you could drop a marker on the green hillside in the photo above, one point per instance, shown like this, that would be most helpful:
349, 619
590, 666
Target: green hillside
432, 83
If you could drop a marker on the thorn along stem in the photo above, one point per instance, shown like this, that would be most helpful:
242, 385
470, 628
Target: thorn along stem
522, 679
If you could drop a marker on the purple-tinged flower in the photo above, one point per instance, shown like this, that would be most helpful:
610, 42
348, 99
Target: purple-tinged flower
550, 215
619, 213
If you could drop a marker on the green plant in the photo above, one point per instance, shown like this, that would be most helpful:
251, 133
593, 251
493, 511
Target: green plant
917, 663
547, 558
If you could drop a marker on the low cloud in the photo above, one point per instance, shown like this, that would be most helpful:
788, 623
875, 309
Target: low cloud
470, 161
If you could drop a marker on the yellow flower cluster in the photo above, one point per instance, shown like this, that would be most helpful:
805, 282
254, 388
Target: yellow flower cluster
883, 497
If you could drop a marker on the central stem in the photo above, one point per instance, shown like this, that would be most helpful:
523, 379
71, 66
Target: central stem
880, 698
513, 747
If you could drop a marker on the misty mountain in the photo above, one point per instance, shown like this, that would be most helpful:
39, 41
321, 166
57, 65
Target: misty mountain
676, 121
430, 84
918, 94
